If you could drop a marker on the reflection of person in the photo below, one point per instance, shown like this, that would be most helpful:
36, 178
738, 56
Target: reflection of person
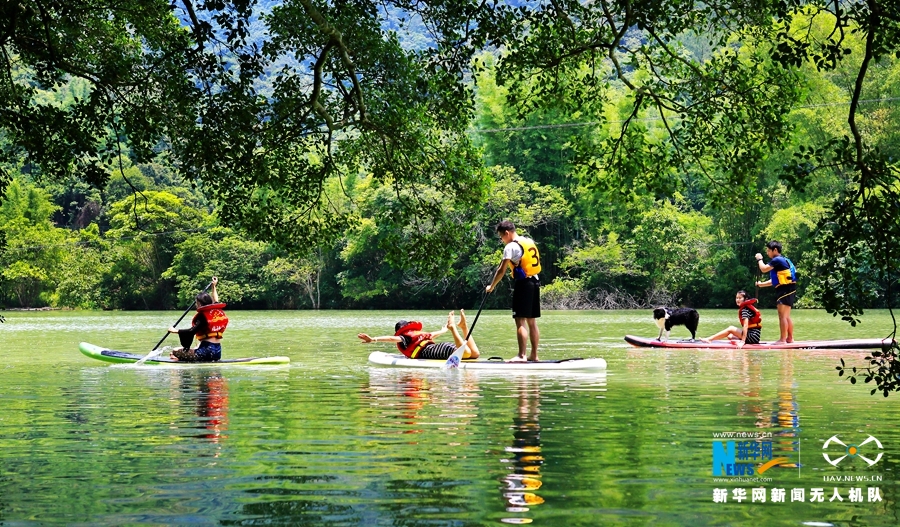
207, 327
416, 344
206, 393
415, 396
521, 255
787, 415
212, 406
751, 323
783, 276
526, 449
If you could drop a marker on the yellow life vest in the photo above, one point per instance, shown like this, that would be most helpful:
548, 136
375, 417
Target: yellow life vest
530, 264
785, 277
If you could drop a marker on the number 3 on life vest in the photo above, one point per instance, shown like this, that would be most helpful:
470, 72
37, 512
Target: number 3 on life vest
530, 264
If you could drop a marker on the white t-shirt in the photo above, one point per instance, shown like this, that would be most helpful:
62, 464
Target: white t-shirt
513, 251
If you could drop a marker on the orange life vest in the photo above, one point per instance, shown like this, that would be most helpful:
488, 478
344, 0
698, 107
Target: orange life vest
416, 338
216, 321
756, 320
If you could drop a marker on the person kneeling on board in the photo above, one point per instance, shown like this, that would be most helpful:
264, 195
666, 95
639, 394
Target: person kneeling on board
207, 327
751, 323
417, 344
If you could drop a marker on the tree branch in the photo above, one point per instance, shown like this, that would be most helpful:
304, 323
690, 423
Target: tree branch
338, 39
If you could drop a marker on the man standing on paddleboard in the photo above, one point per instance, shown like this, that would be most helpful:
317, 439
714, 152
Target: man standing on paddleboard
783, 275
521, 255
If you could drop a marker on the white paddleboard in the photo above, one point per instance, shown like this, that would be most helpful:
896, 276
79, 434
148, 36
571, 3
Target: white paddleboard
400, 361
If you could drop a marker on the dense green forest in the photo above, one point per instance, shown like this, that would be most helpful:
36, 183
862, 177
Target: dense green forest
148, 238
340, 155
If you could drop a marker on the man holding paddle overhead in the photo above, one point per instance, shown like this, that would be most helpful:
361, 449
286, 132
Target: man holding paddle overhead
521, 255
783, 277
207, 326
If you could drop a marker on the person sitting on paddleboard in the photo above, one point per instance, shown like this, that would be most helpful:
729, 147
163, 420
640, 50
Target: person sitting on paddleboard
751, 323
207, 327
417, 344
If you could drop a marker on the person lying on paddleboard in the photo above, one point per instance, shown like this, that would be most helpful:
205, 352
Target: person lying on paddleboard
751, 323
207, 327
417, 344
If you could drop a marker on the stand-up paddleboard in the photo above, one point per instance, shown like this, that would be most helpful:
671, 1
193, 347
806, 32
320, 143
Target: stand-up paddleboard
107, 355
847, 344
398, 360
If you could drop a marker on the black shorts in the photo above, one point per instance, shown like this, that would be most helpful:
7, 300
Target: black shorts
753, 336
526, 298
786, 295
437, 351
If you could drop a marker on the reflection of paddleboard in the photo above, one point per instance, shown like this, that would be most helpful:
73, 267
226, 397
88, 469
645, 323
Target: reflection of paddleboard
848, 344
395, 359
96, 352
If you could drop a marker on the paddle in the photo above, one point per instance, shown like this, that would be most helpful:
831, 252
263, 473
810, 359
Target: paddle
453, 360
154, 352
756, 277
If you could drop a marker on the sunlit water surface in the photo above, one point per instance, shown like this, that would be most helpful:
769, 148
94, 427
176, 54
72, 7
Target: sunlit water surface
331, 440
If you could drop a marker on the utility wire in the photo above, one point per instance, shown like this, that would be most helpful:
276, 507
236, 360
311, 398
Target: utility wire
89, 242
129, 238
649, 119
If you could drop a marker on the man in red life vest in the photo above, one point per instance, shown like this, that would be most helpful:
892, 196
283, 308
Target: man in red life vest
751, 323
207, 326
416, 344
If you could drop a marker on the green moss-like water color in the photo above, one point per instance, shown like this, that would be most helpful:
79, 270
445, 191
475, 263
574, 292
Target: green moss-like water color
330, 440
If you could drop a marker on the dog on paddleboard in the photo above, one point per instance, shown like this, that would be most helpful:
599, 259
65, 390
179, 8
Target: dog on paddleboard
667, 317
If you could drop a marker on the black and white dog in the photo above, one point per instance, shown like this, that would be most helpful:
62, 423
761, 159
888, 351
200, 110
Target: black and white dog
666, 317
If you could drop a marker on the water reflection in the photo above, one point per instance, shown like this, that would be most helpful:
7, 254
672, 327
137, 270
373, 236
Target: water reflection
400, 396
750, 374
782, 414
524, 477
415, 402
210, 392
330, 441
786, 415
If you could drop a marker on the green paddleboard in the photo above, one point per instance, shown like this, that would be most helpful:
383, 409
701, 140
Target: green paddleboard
121, 357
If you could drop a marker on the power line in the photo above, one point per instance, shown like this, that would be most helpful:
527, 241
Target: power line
89, 242
649, 119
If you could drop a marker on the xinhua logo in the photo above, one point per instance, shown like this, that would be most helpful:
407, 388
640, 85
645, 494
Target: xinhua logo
740, 458
851, 450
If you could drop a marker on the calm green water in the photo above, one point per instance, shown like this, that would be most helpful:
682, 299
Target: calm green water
330, 440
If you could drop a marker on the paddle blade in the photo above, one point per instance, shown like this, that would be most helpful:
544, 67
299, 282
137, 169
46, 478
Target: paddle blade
453, 360
154, 353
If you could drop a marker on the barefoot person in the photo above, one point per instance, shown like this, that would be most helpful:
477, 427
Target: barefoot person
207, 327
751, 323
521, 255
782, 275
416, 344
